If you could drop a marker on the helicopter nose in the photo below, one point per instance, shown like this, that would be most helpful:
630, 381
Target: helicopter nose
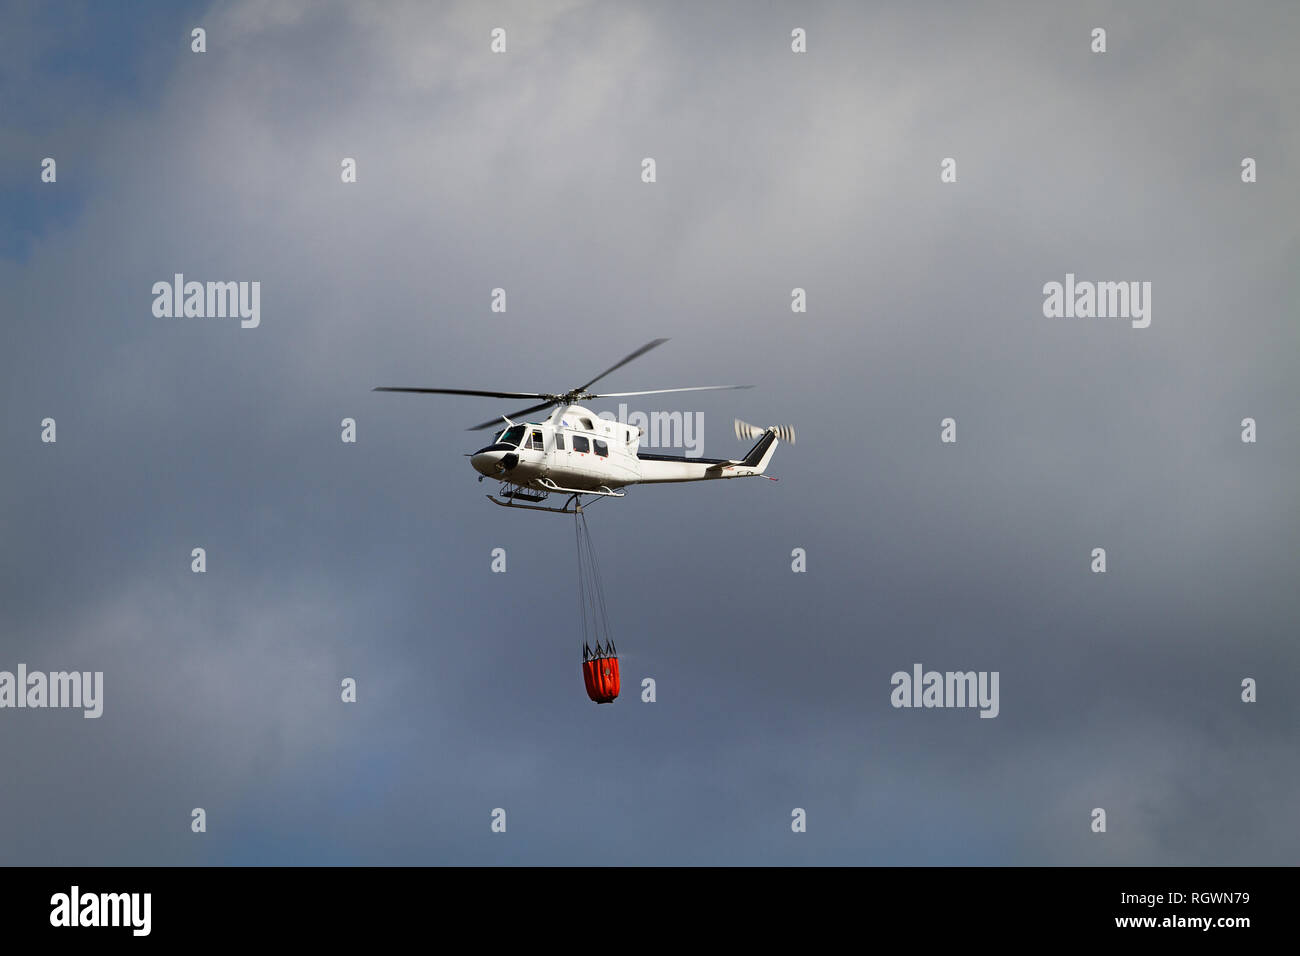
494, 460
486, 462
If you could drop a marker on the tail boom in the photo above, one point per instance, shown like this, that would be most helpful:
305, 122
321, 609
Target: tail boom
659, 469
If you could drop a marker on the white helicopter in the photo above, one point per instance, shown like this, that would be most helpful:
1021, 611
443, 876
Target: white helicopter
576, 452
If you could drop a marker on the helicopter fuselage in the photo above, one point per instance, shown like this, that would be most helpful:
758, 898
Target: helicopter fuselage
577, 450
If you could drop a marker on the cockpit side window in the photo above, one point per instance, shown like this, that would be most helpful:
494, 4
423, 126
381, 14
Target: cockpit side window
512, 436
535, 440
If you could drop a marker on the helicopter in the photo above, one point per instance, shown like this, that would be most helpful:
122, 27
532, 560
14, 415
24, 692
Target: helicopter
577, 453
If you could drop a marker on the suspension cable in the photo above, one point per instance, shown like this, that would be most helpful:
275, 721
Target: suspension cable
591, 589
582, 588
600, 609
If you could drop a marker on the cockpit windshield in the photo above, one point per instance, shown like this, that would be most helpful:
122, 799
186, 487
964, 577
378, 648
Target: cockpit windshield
512, 436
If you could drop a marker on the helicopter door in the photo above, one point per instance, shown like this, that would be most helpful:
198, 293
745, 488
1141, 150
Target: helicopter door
580, 456
560, 455
532, 449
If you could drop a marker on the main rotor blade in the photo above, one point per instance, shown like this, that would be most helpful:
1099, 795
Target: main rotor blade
665, 391
513, 415
462, 391
637, 354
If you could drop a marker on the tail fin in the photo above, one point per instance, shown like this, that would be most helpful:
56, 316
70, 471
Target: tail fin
755, 463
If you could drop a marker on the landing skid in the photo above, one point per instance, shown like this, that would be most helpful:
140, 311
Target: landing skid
513, 495
510, 503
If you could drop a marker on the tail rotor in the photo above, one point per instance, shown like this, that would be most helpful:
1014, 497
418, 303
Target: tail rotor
746, 431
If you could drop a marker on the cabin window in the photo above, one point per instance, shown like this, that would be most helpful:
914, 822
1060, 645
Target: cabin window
601, 448
580, 444
535, 440
559, 442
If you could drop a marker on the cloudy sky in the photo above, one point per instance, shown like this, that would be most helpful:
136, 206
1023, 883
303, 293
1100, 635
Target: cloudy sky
775, 170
